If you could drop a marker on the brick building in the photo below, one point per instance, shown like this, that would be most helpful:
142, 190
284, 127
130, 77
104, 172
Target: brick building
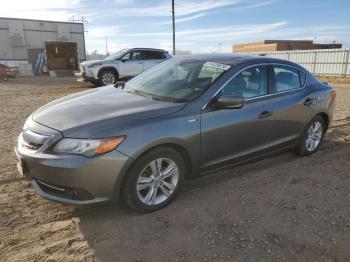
281, 45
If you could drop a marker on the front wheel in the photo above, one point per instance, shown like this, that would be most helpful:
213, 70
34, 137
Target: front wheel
154, 180
312, 137
108, 77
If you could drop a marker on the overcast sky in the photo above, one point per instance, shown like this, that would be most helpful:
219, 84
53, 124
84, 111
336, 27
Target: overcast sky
201, 24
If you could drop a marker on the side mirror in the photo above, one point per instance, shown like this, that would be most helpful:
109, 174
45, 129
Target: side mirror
229, 102
120, 84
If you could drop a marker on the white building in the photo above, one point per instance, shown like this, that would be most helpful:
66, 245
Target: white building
21, 40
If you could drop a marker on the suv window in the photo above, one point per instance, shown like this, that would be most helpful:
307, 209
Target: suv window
126, 56
251, 82
149, 55
288, 78
136, 55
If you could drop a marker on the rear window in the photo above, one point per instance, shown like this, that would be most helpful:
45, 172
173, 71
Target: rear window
288, 78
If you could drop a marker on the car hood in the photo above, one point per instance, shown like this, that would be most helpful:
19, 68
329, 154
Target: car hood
100, 112
92, 62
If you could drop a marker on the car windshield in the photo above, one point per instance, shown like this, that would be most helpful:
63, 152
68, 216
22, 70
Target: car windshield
116, 55
177, 80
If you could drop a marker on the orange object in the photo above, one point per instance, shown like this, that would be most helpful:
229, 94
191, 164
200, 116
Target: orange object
109, 144
333, 94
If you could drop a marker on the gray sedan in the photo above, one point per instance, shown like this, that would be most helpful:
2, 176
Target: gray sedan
179, 120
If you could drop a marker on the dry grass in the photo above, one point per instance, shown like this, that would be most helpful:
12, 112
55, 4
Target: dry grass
335, 79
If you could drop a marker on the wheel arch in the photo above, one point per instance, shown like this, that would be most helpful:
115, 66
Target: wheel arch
325, 118
108, 68
181, 149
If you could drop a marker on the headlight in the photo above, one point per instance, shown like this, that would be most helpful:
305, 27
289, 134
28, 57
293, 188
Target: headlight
96, 65
88, 147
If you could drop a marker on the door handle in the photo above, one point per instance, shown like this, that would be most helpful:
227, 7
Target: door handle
265, 114
308, 101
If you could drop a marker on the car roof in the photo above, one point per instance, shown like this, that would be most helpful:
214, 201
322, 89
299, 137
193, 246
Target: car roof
235, 59
147, 49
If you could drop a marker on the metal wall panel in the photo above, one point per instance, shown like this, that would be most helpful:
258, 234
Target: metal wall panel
327, 62
34, 33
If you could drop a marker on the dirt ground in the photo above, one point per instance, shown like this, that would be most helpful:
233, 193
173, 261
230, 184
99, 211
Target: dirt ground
283, 208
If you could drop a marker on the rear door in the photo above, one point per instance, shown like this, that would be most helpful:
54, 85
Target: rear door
152, 58
132, 64
291, 104
227, 135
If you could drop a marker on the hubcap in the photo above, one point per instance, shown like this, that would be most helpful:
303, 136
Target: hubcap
108, 79
157, 181
314, 135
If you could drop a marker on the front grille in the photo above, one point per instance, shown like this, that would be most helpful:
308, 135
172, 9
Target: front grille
31, 145
32, 140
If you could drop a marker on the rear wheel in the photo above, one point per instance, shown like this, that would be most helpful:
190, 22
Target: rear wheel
312, 137
108, 77
154, 180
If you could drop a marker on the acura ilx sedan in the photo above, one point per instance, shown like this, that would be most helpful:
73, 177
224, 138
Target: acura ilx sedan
179, 120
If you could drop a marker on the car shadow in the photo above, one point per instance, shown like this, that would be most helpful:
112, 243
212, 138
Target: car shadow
180, 231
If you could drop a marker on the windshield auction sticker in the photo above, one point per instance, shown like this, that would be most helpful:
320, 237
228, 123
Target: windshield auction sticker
217, 65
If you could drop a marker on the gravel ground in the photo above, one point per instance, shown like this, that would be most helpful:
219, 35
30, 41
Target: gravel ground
283, 208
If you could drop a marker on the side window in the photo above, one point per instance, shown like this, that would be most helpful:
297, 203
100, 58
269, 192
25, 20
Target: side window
251, 82
126, 56
151, 55
287, 78
136, 55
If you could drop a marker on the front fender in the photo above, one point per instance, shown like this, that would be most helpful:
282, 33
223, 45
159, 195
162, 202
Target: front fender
109, 67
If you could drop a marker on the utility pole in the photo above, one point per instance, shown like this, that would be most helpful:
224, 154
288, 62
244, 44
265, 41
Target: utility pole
106, 46
173, 14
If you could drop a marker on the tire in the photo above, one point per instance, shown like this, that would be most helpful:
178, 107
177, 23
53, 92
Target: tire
141, 181
108, 77
305, 146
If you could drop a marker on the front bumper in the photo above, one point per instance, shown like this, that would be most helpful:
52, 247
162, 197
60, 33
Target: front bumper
82, 77
72, 179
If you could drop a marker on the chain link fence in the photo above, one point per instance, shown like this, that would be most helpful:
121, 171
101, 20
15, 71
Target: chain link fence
323, 62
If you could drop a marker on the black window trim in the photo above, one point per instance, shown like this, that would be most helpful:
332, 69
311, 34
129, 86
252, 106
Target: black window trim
269, 66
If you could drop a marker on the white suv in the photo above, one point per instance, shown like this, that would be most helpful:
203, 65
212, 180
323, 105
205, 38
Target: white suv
124, 64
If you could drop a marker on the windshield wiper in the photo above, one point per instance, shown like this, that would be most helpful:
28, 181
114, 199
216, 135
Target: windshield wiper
137, 92
157, 98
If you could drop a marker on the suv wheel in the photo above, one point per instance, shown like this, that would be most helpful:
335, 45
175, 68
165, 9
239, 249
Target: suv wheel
108, 77
312, 137
154, 180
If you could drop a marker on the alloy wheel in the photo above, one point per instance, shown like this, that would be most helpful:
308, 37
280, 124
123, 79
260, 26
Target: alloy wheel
108, 79
157, 181
314, 136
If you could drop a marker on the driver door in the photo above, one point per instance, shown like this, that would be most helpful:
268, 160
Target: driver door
228, 135
132, 64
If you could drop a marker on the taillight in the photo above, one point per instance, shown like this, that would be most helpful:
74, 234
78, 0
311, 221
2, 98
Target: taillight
333, 94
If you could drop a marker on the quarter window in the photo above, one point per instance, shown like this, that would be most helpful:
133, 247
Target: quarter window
126, 56
302, 76
288, 78
252, 82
